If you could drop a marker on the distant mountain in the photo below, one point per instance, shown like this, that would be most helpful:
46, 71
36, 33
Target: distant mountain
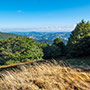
6, 35
46, 37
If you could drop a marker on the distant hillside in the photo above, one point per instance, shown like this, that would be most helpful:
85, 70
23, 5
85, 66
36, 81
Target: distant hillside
46, 37
6, 35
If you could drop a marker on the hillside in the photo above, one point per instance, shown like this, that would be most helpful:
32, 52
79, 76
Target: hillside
45, 76
46, 37
6, 35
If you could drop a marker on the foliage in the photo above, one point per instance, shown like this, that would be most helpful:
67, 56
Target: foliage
59, 43
82, 61
56, 50
51, 51
79, 41
19, 49
82, 47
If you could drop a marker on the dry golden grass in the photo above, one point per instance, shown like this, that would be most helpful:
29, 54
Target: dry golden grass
44, 76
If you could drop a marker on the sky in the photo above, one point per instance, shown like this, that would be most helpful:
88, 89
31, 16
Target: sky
42, 15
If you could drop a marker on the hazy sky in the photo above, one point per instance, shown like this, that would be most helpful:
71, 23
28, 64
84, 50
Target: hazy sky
42, 15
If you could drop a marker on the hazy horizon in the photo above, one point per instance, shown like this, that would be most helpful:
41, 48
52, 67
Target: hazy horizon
52, 29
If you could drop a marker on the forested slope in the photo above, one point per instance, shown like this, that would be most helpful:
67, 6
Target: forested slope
6, 35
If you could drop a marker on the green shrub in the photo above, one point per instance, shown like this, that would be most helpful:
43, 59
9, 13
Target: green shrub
19, 49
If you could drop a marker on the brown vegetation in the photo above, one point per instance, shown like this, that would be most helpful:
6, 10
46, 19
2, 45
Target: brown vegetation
44, 76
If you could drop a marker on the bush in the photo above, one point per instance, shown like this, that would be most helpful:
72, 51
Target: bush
56, 50
60, 44
19, 49
51, 51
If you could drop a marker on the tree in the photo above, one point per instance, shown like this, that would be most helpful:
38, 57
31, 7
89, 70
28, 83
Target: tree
59, 43
19, 49
56, 50
51, 51
83, 47
77, 36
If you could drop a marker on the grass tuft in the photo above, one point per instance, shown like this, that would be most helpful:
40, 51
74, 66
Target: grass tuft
45, 76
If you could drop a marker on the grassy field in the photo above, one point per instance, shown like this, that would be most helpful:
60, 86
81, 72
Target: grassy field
10, 66
45, 76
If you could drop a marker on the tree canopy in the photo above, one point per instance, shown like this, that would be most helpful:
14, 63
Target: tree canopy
78, 39
59, 43
19, 49
56, 50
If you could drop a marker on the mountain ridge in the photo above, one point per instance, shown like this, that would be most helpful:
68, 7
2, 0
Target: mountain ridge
4, 35
46, 37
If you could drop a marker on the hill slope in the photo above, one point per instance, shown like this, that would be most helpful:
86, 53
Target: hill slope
6, 35
44, 76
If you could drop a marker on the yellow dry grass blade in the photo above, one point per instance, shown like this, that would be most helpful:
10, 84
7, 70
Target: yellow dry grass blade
45, 76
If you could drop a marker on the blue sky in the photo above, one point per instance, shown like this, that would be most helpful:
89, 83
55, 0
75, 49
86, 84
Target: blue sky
42, 15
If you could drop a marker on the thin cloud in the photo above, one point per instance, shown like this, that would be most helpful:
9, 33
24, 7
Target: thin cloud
19, 11
42, 29
55, 29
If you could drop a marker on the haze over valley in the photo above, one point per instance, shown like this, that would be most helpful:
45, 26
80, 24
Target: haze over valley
46, 37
